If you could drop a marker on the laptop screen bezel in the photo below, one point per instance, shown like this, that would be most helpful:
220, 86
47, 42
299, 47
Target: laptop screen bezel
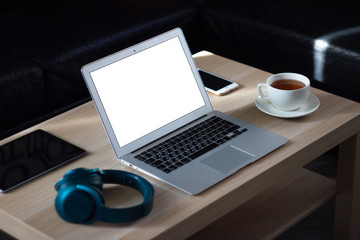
150, 137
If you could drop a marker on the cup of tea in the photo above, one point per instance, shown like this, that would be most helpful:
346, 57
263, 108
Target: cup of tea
285, 91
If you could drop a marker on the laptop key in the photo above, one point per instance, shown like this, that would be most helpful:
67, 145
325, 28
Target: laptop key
150, 160
233, 128
173, 167
166, 170
186, 160
156, 163
203, 151
161, 167
179, 164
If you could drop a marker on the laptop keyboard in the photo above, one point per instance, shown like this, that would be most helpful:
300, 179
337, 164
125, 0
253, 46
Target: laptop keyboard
190, 144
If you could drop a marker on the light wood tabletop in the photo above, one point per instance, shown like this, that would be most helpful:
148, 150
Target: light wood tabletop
260, 201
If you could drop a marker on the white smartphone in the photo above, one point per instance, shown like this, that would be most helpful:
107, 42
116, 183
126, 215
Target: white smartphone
215, 84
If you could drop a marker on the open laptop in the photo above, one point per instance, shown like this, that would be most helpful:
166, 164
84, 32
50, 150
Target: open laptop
160, 121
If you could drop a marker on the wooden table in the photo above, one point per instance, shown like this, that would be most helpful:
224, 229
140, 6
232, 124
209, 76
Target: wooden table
258, 202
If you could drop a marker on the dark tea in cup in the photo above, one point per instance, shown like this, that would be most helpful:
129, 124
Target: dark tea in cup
287, 84
285, 91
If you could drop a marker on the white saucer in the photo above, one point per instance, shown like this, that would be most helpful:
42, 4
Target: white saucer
310, 106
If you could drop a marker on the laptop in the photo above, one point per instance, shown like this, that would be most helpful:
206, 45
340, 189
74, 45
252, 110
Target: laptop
159, 119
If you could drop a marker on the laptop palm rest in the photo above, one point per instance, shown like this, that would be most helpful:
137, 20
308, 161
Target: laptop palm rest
228, 159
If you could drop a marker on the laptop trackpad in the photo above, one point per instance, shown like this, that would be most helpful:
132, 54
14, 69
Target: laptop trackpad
228, 159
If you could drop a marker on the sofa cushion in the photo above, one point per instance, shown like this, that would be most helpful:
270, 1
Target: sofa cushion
319, 38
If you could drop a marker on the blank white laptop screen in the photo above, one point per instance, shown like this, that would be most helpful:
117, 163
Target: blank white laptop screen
147, 90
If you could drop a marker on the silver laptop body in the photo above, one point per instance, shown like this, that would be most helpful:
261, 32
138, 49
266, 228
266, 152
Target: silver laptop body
149, 93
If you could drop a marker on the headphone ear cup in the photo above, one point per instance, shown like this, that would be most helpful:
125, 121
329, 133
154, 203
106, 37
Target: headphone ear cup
79, 203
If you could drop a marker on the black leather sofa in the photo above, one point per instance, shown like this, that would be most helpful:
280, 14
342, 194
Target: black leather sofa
320, 39
45, 43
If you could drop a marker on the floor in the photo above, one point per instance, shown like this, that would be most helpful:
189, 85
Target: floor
318, 225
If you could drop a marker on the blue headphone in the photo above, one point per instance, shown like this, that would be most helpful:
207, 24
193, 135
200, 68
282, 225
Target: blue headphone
80, 198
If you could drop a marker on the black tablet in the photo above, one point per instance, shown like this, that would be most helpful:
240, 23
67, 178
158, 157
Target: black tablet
32, 155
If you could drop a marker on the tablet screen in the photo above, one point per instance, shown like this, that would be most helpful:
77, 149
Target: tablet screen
33, 155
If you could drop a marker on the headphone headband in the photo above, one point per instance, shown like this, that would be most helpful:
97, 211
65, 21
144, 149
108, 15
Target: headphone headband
80, 200
133, 181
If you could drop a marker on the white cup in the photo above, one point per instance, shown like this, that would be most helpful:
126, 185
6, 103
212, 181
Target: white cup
280, 96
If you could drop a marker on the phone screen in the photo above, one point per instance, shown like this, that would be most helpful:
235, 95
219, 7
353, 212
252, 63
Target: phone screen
212, 81
33, 155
